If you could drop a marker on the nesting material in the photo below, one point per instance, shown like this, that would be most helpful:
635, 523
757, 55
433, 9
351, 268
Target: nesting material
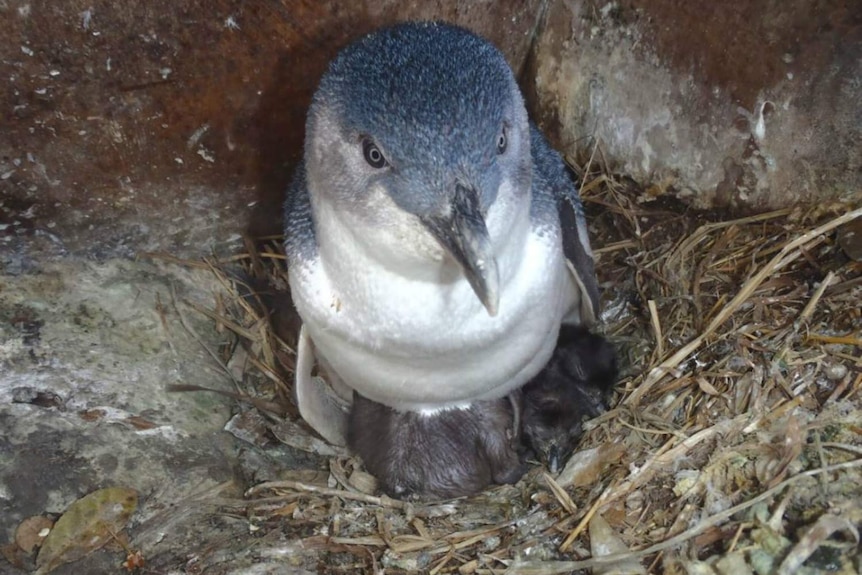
735, 438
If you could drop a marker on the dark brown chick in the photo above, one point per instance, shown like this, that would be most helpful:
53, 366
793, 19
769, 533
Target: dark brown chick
573, 387
448, 454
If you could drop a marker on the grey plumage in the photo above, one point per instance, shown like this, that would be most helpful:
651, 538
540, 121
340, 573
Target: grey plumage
573, 387
434, 240
449, 454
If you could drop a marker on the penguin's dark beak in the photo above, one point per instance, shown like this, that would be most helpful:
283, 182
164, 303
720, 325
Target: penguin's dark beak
462, 232
555, 459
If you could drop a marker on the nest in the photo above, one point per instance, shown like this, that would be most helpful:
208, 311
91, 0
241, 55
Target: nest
735, 443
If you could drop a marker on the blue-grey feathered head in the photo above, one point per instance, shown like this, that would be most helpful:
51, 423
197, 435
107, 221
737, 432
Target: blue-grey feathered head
422, 125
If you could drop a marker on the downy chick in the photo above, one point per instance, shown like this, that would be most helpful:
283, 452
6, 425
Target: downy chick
451, 453
573, 387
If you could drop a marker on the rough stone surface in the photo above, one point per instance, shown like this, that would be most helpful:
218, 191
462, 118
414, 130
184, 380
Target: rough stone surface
86, 351
147, 125
741, 104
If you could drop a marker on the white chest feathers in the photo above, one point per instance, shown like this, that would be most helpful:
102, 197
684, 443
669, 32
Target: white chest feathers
417, 337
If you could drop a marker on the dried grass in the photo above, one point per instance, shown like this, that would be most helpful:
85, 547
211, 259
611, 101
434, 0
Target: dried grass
736, 437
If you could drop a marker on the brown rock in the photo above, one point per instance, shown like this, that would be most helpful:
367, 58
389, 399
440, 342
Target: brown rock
133, 126
741, 104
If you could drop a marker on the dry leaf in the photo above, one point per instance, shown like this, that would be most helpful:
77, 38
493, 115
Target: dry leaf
294, 435
363, 482
562, 496
604, 541
134, 560
249, 426
86, 526
707, 387
92, 414
814, 537
14, 555
585, 467
140, 423
32, 531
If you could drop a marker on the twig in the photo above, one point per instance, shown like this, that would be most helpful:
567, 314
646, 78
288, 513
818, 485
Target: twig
382, 501
615, 246
231, 325
581, 191
812, 303
199, 339
847, 340
562, 496
171, 259
656, 326
786, 255
675, 433
552, 568
257, 402
606, 496
844, 446
703, 231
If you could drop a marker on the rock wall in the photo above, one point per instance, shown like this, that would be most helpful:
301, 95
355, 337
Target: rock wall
746, 104
154, 124
149, 125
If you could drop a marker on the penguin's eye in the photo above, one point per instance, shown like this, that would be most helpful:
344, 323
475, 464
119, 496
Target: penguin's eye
372, 154
502, 142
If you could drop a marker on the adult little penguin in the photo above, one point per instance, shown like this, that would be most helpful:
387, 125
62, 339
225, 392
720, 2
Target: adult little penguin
435, 242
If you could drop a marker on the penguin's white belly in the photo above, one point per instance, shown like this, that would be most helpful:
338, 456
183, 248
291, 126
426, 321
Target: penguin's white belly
423, 345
